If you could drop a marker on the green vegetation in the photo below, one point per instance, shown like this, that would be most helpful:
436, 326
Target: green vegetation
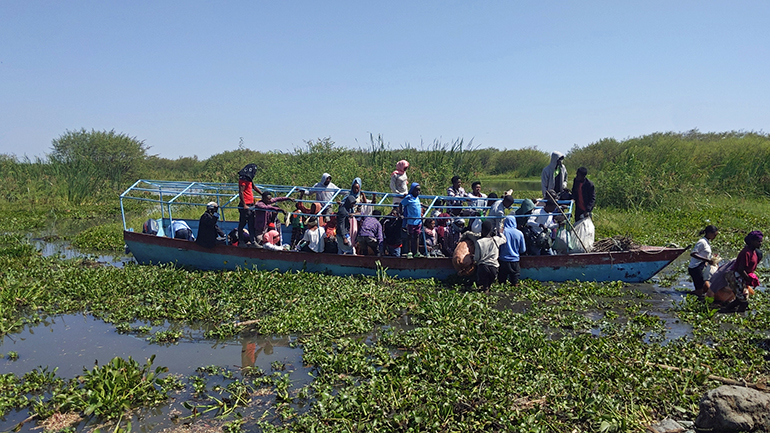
541, 357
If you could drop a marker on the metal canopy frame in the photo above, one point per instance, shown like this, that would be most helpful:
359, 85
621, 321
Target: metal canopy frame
227, 193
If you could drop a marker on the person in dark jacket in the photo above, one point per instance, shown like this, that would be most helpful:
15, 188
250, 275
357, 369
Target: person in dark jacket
584, 194
208, 230
344, 241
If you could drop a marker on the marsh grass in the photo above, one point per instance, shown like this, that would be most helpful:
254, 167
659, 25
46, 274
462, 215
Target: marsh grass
571, 356
465, 364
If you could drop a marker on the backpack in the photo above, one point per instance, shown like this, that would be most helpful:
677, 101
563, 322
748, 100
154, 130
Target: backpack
248, 172
150, 227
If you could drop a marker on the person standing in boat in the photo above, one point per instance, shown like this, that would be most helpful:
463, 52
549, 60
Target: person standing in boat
412, 220
325, 189
355, 191
455, 190
485, 256
399, 183
246, 191
510, 252
584, 194
497, 211
209, 233
265, 213
700, 257
554, 177
478, 206
344, 236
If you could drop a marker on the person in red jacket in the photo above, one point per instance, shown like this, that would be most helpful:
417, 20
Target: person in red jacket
246, 191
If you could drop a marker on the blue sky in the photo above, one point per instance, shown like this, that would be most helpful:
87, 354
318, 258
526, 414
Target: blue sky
193, 77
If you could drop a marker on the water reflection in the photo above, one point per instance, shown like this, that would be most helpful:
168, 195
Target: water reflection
65, 250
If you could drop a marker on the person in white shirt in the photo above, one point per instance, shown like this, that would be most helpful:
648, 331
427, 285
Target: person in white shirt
325, 189
700, 257
314, 238
181, 230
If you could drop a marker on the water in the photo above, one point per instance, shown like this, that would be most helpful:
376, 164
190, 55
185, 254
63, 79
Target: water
73, 343
65, 250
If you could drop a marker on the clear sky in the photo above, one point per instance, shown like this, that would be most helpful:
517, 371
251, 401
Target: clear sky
194, 77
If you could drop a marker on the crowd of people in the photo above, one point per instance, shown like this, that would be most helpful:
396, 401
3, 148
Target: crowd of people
357, 228
500, 235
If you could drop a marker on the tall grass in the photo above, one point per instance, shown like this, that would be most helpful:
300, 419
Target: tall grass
649, 172
664, 169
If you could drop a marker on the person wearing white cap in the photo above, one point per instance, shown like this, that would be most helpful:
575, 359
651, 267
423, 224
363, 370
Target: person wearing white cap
208, 230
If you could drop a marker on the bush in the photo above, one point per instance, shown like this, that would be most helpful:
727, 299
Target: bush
87, 160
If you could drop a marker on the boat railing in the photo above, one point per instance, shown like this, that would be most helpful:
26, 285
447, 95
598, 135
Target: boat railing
169, 194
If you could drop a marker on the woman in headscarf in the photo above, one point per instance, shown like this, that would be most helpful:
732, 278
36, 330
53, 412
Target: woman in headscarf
355, 191
344, 238
736, 280
399, 182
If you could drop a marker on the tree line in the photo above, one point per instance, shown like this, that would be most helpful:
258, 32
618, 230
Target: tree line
650, 171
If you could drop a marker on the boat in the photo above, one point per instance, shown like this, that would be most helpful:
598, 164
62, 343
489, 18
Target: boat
183, 198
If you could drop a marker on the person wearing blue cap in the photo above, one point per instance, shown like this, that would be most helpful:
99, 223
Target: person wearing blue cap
412, 220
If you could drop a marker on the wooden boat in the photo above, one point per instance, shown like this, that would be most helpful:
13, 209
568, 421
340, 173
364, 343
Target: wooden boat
630, 266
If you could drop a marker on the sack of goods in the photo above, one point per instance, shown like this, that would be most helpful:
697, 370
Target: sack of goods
586, 232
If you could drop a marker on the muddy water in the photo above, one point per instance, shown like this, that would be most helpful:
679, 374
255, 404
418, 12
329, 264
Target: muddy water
73, 343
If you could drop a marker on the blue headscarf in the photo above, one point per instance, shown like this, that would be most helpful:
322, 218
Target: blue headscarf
412, 208
360, 187
413, 186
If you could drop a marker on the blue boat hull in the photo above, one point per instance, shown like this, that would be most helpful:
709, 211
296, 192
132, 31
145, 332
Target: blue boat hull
629, 266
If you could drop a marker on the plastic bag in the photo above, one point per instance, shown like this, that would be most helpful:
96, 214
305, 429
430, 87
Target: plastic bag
585, 231
565, 242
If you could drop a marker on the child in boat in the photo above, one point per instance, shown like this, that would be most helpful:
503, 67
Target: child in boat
297, 221
486, 254
330, 227
313, 241
431, 244
271, 240
700, 257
